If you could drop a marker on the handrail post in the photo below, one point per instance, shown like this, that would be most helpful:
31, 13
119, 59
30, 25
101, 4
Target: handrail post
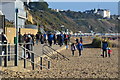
9, 52
6, 56
32, 59
48, 64
25, 58
31, 47
16, 44
0, 54
41, 63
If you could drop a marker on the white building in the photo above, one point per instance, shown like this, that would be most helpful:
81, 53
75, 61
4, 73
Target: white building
8, 9
104, 12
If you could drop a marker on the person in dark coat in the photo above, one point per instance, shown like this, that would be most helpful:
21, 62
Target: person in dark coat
104, 48
81, 40
42, 39
79, 47
20, 38
61, 39
66, 42
50, 38
37, 38
54, 38
73, 48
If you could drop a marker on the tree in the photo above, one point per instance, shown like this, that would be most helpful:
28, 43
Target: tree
38, 5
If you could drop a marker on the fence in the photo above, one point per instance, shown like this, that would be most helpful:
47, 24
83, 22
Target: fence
7, 54
28, 57
36, 59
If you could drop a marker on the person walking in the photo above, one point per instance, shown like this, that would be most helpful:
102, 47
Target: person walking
42, 39
104, 48
61, 39
73, 48
45, 37
54, 38
50, 38
79, 47
81, 40
77, 40
66, 42
37, 38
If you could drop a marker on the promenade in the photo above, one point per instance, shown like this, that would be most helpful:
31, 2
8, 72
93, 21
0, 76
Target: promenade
89, 65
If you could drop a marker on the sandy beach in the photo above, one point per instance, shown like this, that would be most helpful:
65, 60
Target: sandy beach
89, 65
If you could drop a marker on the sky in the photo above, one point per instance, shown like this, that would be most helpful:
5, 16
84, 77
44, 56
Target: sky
82, 5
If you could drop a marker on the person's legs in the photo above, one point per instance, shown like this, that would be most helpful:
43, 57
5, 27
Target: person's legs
109, 54
37, 41
79, 52
73, 52
105, 53
66, 46
50, 43
54, 41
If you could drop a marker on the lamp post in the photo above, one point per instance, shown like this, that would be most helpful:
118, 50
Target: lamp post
16, 44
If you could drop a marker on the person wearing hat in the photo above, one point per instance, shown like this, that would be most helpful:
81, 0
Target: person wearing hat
104, 48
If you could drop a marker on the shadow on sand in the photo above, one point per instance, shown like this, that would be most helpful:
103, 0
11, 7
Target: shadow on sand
89, 46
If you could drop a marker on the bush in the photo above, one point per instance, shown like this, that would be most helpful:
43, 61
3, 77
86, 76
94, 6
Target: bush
96, 43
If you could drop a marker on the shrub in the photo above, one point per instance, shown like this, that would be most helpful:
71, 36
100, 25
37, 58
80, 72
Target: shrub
97, 43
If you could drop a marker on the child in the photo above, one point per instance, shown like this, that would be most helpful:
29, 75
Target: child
109, 52
73, 48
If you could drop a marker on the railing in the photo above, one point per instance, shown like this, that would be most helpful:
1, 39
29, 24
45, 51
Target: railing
49, 51
9, 55
33, 61
6, 53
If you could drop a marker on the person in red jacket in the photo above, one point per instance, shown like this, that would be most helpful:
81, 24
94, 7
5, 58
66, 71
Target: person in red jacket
109, 52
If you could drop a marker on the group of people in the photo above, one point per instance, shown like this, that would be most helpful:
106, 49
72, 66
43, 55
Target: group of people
78, 45
57, 39
106, 51
52, 38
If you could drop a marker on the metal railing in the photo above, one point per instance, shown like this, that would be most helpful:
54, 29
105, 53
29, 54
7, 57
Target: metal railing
49, 51
9, 55
33, 57
6, 53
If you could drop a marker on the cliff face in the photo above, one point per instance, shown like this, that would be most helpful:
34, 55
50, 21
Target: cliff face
75, 21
